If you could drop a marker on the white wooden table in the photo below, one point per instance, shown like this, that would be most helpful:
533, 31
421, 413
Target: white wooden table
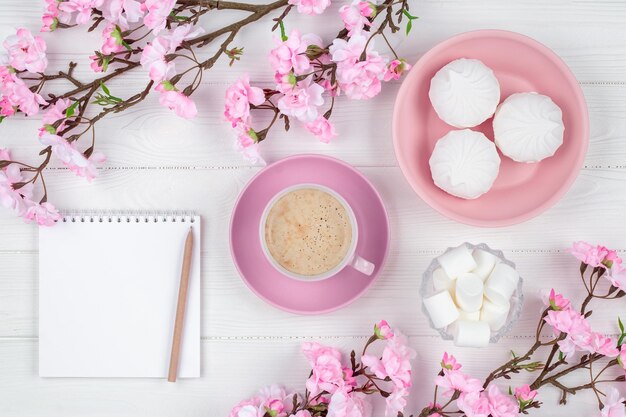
157, 161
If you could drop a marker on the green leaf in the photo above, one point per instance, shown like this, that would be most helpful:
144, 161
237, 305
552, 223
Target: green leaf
127, 46
105, 63
407, 14
561, 356
283, 35
2, 118
105, 89
69, 112
621, 325
409, 24
178, 18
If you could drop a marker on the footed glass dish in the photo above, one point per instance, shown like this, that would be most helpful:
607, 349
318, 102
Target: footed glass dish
517, 299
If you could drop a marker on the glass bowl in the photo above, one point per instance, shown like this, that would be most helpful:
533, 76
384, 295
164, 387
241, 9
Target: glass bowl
517, 299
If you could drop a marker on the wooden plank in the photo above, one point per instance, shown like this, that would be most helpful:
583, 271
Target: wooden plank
212, 193
585, 35
231, 371
394, 297
151, 136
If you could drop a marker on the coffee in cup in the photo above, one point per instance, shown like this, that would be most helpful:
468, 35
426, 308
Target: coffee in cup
309, 232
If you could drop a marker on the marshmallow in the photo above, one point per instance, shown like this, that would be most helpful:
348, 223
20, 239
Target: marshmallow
494, 314
441, 309
501, 284
441, 281
456, 261
469, 292
485, 262
473, 316
471, 334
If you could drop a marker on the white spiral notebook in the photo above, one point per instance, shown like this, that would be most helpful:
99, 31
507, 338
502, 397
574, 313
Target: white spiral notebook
108, 288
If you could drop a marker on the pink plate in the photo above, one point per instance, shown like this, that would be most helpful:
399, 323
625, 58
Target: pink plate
521, 191
298, 296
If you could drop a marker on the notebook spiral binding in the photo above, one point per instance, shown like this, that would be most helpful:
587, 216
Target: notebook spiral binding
135, 216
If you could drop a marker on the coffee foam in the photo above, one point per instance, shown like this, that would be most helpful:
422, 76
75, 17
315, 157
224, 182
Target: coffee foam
308, 231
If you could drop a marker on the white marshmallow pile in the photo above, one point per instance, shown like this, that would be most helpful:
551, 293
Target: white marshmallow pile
473, 290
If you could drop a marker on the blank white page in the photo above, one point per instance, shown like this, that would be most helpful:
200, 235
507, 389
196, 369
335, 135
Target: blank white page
108, 293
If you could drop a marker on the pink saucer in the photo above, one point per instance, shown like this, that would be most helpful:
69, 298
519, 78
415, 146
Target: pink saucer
289, 294
521, 191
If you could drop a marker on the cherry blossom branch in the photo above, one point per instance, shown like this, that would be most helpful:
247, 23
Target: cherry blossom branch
572, 334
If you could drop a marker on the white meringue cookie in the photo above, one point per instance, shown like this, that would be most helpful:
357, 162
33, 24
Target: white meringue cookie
464, 93
464, 163
528, 127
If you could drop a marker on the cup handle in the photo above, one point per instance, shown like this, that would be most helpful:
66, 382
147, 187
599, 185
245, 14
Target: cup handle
362, 265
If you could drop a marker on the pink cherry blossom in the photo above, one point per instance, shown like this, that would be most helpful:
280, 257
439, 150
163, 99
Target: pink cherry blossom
17, 94
452, 381
9, 197
361, 80
274, 399
247, 144
395, 362
302, 100
26, 52
395, 69
343, 404
525, 394
473, 404
290, 54
310, 7
604, 345
122, 12
44, 214
56, 111
342, 51
111, 43
157, 13
179, 34
327, 372
72, 158
248, 407
239, 96
182, 105
589, 254
555, 301
153, 59
383, 330
250, 411
6, 108
617, 276
322, 129
449, 362
613, 404
355, 16
501, 405
50, 16
284, 82
95, 64
396, 402
568, 321
82, 8
5, 155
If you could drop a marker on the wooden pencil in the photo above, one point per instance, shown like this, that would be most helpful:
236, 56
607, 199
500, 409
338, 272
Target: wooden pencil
180, 308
